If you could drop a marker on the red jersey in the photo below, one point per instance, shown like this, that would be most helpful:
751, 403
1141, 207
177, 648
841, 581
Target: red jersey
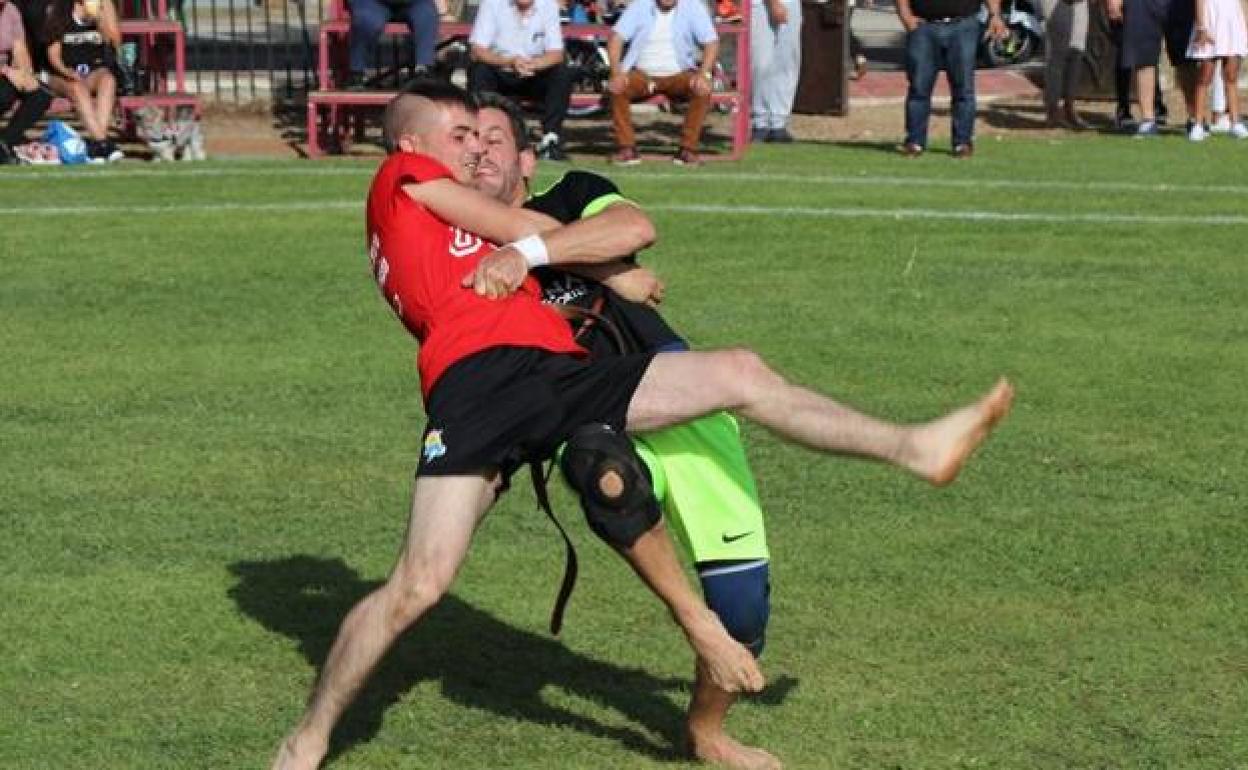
419, 261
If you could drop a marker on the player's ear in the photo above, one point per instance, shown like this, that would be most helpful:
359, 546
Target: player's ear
409, 143
528, 163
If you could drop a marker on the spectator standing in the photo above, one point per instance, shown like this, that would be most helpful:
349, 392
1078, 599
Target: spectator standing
1123, 121
664, 47
1145, 24
1218, 37
17, 83
943, 35
1065, 40
368, 22
517, 50
775, 63
83, 38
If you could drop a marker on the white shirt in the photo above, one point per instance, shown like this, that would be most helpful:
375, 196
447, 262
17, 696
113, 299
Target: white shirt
501, 27
659, 56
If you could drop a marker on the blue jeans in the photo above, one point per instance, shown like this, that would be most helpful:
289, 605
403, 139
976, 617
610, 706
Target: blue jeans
369, 17
932, 47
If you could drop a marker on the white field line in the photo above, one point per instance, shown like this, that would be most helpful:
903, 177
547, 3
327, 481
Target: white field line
694, 178
855, 212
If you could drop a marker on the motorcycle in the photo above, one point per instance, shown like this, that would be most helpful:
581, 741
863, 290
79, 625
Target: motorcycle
1025, 38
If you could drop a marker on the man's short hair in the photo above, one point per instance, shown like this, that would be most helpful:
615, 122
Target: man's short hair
396, 117
513, 112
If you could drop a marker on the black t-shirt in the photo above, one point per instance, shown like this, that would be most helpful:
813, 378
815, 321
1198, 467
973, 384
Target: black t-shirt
83, 47
640, 327
940, 9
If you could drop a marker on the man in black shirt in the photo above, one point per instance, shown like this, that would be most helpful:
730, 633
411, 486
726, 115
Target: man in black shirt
943, 35
700, 472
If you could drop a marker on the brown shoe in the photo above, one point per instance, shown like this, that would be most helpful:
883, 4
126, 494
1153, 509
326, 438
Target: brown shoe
860, 68
627, 156
963, 151
910, 150
686, 157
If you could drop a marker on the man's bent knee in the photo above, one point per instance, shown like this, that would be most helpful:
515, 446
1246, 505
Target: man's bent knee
613, 483
408, 599
747, 374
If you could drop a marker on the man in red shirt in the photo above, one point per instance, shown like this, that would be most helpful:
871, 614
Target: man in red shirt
504, 382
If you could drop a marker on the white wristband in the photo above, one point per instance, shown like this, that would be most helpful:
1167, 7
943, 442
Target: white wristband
533, 249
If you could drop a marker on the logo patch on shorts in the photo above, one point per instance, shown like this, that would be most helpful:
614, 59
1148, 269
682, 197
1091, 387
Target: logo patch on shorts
434, 448
727, 538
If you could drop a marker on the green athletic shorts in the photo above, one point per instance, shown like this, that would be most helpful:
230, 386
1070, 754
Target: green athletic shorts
703, 481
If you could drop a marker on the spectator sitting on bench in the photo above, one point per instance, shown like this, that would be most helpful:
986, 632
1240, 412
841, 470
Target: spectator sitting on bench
368, 22
83, 37
517, 50
17, 83
664, 38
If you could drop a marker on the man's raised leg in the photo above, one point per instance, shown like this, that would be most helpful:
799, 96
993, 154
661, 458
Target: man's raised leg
445, 513
681, 386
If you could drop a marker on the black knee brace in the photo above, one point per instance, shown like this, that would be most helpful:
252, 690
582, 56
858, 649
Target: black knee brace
626, 508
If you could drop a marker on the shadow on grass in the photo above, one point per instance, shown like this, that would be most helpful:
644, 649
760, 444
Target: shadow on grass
479, 661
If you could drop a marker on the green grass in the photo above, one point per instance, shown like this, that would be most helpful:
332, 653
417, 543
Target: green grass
208, 423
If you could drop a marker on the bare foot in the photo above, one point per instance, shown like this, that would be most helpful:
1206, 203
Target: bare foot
940, 448
720, 749
298, 753
726, 662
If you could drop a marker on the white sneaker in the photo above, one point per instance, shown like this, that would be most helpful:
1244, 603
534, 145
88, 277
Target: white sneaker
1239, 131
1197, 133
1222, 125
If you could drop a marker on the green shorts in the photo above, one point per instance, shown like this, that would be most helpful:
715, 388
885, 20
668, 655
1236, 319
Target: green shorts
703, 481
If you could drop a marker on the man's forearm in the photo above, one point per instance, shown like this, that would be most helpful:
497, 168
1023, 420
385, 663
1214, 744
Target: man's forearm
621, 229
710, 54
488, 56
548, 60
476, 212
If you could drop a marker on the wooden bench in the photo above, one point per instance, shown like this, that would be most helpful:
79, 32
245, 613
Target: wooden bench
344, 111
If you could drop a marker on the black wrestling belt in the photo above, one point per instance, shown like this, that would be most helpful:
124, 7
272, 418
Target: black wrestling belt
590, 318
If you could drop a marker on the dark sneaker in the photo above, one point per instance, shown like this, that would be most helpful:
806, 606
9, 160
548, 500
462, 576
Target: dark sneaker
1163, 115
97, 152
7, 156
627, 156
759, 134
963, 151
910, 150
551, 149
779, 136
686, 157
355, 82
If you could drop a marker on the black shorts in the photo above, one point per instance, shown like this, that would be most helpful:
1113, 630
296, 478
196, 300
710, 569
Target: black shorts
1145, 23
506, 406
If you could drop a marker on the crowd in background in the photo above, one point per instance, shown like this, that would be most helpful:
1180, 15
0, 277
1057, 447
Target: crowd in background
70, 48
66, 48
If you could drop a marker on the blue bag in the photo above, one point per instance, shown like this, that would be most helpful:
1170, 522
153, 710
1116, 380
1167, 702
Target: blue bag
67, 142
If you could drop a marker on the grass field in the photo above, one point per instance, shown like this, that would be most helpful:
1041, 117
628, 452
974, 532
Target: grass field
208, 422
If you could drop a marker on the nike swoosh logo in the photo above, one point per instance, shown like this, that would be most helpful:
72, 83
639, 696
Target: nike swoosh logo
734, 538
